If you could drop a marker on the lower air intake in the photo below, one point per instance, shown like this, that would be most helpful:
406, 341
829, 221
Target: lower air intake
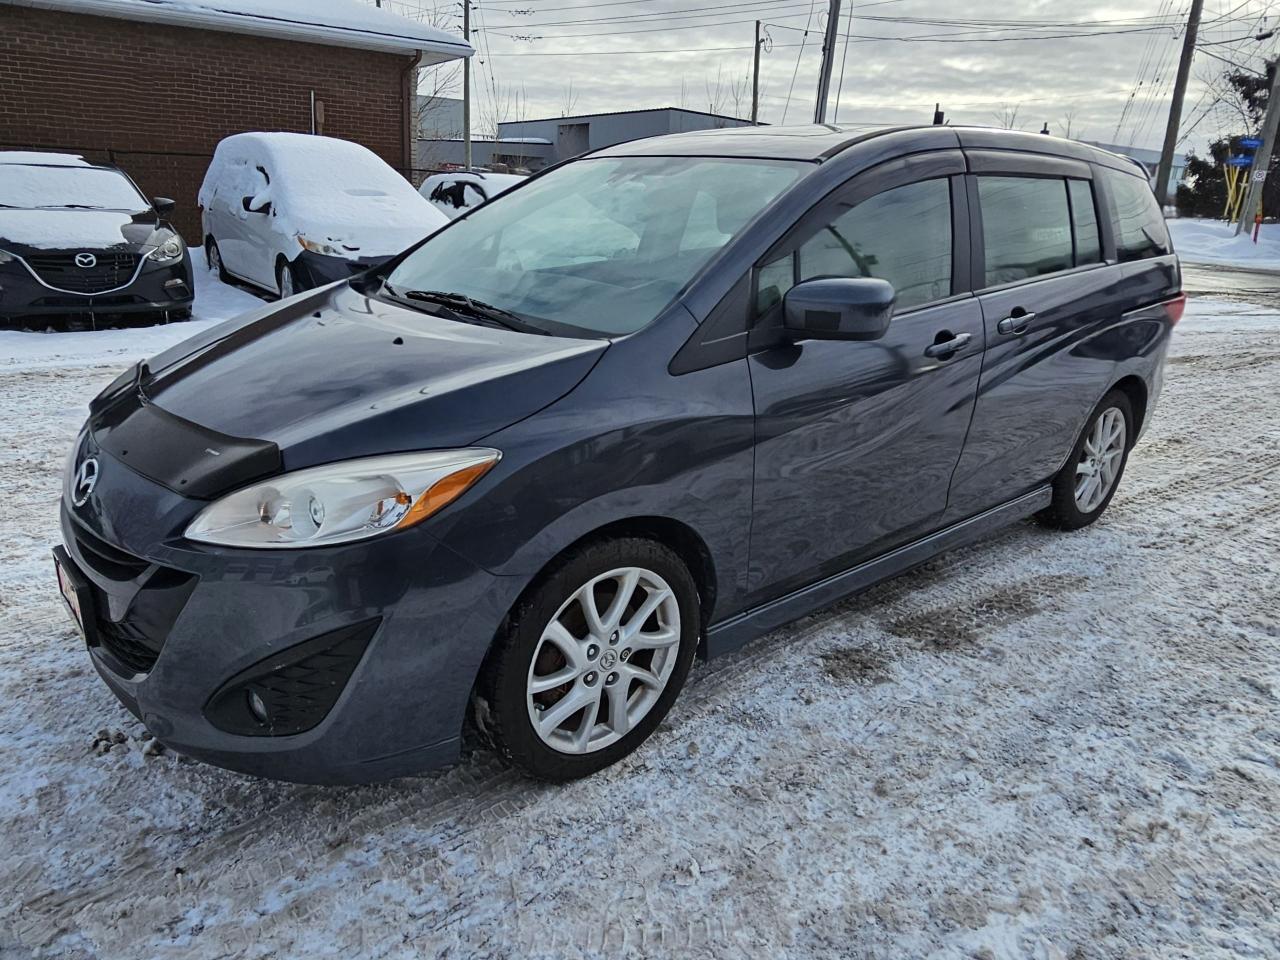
295, 689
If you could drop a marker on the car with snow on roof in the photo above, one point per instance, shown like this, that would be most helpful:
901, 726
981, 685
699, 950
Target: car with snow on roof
290, 211
81, 246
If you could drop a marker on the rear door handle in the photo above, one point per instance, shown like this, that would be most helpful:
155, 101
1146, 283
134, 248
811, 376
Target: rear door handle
947, 347
1015, 326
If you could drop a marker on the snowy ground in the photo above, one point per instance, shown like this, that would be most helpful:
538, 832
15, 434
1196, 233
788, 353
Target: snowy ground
1215, 242
1044, 746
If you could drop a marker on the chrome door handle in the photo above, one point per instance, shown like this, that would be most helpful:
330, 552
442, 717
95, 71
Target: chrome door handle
946, 347
1015, 326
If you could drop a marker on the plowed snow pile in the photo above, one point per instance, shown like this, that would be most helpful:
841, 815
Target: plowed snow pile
1046, 745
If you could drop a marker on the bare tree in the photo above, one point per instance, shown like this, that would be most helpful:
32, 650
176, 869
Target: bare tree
1068, 123
1007, 115
568, 100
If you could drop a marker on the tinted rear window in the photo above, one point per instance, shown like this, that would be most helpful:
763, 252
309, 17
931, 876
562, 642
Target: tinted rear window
1140, 227
1026, 227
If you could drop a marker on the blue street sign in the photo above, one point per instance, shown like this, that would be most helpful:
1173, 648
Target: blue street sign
1251, 143
1240, 162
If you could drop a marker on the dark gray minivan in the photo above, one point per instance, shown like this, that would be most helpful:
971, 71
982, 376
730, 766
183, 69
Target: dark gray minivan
649, 404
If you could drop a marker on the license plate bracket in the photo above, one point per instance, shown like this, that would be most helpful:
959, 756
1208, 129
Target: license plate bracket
76, 594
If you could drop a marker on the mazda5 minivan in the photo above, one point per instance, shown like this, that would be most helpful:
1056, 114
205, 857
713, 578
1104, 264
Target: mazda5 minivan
654, 403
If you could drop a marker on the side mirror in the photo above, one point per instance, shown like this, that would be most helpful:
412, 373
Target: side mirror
247, 204
162, 205
839, 308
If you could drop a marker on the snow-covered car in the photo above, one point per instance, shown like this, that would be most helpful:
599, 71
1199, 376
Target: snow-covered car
79, 243
291, 211
453, 194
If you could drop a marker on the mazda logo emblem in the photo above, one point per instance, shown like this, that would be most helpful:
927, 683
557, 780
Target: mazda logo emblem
86, 480
86, 260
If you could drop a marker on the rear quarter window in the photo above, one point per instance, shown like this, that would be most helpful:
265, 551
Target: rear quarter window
1140, 228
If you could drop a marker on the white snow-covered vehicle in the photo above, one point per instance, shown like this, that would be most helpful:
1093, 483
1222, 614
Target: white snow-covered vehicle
290, 211
453, 194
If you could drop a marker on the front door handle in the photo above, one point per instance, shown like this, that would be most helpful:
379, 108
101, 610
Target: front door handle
947, 347
1016, 324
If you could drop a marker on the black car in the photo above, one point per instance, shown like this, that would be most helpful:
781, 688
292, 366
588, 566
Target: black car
80, 246
654, 403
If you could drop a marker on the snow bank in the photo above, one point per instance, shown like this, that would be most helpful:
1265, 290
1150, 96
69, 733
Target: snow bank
1215, 242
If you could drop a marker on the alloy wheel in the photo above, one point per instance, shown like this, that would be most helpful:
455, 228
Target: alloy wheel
603, 660
1100, 460
286, 283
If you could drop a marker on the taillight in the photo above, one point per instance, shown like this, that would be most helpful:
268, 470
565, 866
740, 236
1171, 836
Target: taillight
1175, 308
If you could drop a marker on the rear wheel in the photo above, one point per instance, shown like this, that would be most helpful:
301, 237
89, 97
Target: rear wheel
1084, 487
592, 659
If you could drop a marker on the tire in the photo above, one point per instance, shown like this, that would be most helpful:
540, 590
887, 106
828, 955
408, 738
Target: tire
213, 257
287, 280
1070, 508
608, 669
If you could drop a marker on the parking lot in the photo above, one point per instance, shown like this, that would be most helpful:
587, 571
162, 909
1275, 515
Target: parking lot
1045, 745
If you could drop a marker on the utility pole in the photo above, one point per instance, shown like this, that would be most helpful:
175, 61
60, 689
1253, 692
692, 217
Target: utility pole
1175, 108
466, 88
1262, 158
828, 61
755, 79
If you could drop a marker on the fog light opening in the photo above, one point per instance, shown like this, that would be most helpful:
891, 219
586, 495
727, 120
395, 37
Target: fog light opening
258, 708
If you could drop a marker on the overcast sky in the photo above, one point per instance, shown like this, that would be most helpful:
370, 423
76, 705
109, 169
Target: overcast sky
627, 54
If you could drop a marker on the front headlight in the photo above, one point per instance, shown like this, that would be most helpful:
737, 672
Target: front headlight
342, 502
316, 246
168, 247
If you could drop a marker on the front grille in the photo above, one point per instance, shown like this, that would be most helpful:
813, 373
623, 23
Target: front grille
112, 562
129, 645
60, 270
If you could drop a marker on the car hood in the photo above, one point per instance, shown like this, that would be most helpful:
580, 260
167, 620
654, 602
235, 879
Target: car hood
24, 232
337, 374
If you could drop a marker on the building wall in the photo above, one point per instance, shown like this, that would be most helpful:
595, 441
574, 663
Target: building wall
606, 129
435, 154
157, 99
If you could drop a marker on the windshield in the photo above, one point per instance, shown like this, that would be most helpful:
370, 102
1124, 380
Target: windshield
51, 188
600, 244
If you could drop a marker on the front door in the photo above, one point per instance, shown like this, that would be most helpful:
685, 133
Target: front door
856, 442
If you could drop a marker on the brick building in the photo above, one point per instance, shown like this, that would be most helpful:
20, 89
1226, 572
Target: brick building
153, 85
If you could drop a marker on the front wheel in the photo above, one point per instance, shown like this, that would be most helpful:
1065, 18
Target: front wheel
1085, 485
591, 660
286, 281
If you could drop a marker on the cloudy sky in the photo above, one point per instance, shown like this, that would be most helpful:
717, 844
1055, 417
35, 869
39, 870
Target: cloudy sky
1105, 67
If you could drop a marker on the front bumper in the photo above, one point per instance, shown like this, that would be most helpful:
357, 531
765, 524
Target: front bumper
201, 618
316, 270
155, 288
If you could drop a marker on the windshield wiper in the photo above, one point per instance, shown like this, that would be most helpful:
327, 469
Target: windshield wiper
458, 302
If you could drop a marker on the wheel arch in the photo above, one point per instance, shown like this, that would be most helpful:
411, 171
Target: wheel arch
1135, 388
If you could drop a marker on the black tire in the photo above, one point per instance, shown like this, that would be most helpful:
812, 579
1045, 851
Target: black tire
503, 710
1063, 512
213, 259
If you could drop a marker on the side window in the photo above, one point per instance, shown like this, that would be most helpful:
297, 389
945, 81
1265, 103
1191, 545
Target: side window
1084, 217
1140, 226
1026, 227
902, 235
